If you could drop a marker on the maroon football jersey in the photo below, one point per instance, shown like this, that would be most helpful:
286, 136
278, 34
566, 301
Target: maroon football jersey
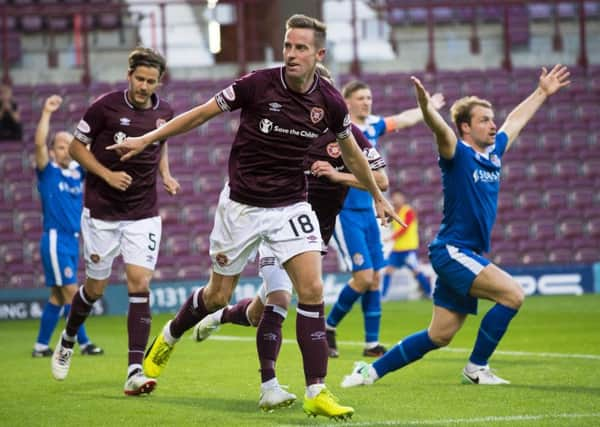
110, 119
326, 197
277, 126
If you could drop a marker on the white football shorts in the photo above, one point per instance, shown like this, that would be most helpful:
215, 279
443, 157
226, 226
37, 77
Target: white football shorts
137, 241
274, 276
239, 229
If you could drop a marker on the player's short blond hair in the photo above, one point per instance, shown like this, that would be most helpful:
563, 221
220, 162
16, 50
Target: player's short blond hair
146, 57
353, 86
461, 110
303, 21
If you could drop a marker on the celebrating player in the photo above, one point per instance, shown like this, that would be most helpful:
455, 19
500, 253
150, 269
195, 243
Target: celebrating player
471, 168
284, 110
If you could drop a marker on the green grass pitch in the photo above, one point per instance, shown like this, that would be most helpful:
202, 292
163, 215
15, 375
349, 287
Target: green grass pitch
551, 354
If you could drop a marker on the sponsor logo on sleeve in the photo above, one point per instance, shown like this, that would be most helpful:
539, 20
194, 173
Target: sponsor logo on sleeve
229, 93
347, 120
83, 126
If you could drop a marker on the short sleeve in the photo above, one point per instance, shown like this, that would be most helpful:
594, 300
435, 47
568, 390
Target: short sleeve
91, 124
501, 143
237, 94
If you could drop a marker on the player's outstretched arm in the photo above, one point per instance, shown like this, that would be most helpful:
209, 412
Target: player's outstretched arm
549, 83
445, 138
179, 124
358, 164
412, 116
322, 168
51, 104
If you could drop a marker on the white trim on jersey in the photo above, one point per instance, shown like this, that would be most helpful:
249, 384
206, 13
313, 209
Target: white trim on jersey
465, 260
53, 240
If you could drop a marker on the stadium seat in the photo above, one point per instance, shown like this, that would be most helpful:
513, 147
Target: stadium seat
561, 256
544, 229
534, 257
556, 199
589, 254
530, 200
571, 228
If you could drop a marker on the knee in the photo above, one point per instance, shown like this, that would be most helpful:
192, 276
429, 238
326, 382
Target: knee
363, 282
310, 292
441, 338
515, 297
215, 299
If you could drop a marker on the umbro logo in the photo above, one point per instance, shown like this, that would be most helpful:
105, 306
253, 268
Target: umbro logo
275, 107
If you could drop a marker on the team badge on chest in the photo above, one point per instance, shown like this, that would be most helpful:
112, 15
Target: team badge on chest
316, 114
333, 149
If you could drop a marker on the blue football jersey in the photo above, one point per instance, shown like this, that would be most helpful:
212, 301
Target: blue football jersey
471, 182
362, 199
61, 191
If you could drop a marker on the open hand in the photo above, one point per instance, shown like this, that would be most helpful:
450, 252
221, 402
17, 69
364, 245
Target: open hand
557, 78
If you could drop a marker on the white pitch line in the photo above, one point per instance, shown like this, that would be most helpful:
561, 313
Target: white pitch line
461, 421
452, 350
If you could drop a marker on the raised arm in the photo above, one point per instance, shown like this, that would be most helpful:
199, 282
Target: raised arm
179, 124
358, 164
445, 138
549, 83
412, 116
51, 104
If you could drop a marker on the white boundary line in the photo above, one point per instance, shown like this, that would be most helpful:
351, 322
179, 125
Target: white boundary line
452, 350
461, 421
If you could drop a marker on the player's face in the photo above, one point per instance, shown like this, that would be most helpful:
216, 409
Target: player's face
60, 150
397, 200
360, 103
143, 82
482, 129
300, 53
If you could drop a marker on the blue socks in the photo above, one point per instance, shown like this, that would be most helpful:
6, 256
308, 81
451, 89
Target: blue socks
407, 351
424, 283
371, 307
387, 280
493, 326
48, 322
82, 337
343, 305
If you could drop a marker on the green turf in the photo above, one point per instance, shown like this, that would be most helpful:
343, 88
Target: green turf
215, 383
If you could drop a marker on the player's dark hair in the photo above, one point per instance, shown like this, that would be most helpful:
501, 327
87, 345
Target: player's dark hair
461, 110
303, 21
353, 86
146, 57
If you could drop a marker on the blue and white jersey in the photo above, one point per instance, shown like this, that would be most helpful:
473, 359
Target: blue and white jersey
61, 191
471, 182
362, 199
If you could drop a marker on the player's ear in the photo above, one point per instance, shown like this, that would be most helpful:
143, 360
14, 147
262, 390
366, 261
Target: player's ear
321, 53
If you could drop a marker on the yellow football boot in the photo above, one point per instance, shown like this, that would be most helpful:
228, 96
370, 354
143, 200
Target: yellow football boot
157, 356
326, 404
